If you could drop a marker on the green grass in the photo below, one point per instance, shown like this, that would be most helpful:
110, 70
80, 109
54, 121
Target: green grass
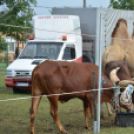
2, 79
4, 64
15, 118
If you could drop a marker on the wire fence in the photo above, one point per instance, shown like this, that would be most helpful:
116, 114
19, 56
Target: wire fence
14, 115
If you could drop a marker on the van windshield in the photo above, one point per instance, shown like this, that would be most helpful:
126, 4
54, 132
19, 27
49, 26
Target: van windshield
41, 50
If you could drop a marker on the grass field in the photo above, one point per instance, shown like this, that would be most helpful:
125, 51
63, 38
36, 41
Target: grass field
15, 118
2, 79
4, 64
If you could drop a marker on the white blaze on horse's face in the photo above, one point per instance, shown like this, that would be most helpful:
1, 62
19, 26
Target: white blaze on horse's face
126, 98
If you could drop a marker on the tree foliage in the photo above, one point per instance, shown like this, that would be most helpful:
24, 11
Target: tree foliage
21, 15
3, 44
122, 4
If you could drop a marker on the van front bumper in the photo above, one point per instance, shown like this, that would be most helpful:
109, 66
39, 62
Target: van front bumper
25, 83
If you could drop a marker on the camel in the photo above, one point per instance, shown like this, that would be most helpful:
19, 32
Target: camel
121, 48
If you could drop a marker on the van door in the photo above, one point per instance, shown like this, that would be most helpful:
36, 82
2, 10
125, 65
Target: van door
69, 53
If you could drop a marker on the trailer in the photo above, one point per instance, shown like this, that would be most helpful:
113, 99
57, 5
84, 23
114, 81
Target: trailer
97, 25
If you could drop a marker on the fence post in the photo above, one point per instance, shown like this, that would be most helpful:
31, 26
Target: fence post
95, 119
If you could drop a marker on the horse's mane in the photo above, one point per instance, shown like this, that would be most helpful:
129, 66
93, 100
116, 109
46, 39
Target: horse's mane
117, 25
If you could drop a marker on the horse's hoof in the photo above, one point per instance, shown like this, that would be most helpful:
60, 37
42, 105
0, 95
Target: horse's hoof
89, 128
32, 133
64, 131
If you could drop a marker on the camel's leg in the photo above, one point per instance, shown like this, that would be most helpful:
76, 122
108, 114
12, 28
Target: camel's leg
102, 111
109, 108
33, 110
54, 112
86, 112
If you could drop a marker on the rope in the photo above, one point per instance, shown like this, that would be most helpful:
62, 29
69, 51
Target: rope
103, 81
50, 95
65, 32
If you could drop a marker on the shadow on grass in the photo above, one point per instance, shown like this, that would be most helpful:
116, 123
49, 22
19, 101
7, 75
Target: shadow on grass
22, 91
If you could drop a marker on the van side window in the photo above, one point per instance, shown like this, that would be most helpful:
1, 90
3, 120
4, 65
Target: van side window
69, 53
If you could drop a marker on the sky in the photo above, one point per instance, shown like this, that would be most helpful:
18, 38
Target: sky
45, 5
67, 3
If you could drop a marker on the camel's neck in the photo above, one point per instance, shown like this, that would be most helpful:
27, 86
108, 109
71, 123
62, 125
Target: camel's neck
122, 32
122, 35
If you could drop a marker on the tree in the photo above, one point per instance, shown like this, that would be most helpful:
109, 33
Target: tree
3, 44
20, 15
122, 4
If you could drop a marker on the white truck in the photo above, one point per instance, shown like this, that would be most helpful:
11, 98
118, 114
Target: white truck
56, 37
72, 34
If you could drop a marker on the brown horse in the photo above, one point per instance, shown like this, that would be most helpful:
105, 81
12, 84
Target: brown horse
60, 77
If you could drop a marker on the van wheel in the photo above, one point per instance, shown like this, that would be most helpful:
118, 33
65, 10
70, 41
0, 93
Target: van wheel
15, 90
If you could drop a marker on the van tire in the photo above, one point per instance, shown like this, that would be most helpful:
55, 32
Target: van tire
15, 90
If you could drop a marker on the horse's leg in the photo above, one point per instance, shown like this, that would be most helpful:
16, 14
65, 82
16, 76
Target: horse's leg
91, 105
54, 112
33, 110
86, 112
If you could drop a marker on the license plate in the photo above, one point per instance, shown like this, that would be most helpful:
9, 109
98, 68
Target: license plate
19, 84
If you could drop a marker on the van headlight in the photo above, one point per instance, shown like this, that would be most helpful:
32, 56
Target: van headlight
9, 73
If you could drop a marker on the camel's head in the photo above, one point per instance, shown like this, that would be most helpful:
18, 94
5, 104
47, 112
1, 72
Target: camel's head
118, 24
